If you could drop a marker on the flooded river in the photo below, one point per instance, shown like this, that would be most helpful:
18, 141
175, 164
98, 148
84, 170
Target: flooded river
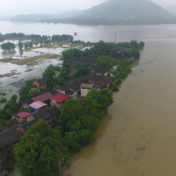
137, 137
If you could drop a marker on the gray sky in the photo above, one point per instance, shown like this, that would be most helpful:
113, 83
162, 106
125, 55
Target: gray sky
16, 7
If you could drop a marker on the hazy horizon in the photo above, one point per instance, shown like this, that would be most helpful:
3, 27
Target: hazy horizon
20, 7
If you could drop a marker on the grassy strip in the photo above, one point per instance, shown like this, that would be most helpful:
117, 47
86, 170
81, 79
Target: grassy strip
31, 59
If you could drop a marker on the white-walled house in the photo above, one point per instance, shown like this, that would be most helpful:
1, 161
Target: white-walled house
85, 89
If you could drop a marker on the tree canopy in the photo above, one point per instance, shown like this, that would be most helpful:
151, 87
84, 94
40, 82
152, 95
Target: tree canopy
105, 61
80, 117
40, 150
8, 46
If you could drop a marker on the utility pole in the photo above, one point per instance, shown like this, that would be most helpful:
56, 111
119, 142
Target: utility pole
115, 37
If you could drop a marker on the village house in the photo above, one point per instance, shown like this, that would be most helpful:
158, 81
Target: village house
104, 81
75, 85
103, 71
21, 117
37, 105
27, 103
49, 115
59, 99
117, 52
40, 83
71, 93
8, 139
45, 98
85, 89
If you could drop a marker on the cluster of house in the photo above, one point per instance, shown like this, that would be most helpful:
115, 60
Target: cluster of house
48, 105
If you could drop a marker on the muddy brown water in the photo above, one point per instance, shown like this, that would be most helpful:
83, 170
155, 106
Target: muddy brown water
137, 137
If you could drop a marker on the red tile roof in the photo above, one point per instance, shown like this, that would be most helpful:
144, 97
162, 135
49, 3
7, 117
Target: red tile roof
60, 97
23, 114
43, 97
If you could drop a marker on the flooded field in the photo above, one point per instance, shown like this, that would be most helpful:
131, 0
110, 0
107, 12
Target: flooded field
137, 136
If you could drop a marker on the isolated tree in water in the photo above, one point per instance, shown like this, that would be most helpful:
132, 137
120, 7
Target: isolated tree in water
40, 152
8, 46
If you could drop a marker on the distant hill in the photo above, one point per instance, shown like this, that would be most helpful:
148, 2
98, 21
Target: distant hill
70, 14
172, 9
127, 9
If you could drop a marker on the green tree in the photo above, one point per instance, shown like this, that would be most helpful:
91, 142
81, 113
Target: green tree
26, 46
30, 44
80, 117
105, 61
34, 92
14, 98
20, 45
40, 151
3, 100
103, 97
8, 46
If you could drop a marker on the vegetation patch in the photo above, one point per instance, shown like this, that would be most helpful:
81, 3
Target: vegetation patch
3, 100
31, 59
2, 93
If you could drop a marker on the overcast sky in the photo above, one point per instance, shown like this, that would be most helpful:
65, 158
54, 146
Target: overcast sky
16, 7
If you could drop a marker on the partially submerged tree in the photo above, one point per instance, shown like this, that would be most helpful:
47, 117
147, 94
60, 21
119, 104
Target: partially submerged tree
8, 46
40, 151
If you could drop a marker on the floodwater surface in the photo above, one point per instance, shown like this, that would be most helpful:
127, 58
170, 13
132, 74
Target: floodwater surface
137, 136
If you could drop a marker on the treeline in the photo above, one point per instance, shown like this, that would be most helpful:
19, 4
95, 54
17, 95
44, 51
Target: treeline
21, 36
83, 43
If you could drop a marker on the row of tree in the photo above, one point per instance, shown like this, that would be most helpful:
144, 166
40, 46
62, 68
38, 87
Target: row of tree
22, 36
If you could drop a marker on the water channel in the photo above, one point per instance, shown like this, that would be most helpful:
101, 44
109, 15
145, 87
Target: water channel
137, 136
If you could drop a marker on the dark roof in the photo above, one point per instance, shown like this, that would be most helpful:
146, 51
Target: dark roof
9, 137
28, 124
44, 97
53, 92
83, 79
90, 68
41, 114
90, 75
85, 60
101, 70
117, 50
54, 110
120, 50
97, 85
29, 101
2, 157
41, 81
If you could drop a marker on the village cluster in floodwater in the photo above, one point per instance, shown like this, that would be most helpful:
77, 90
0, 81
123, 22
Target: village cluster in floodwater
66, 99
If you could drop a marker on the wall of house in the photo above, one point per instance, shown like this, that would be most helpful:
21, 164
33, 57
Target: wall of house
37, 85
84, 92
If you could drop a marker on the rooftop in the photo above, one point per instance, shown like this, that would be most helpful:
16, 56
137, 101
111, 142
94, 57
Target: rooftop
44, 97
87, 86
41, 81
8, 137
37, 105
41, 114
60, 97
23, 114
29, 101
